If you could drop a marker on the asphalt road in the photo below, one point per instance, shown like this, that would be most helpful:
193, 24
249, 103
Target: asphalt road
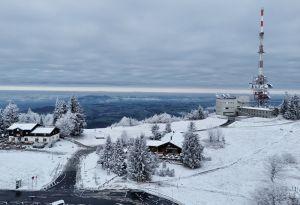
105, 197
64, 188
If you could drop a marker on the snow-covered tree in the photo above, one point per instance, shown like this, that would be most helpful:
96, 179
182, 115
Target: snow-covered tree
165, 171
47, 120
274, 166
60, 109
157, 135
139, 161
124, 138
106, 157
192, 150
127, 121
291, 108
197, 114
80, 122
216, 137
119, 157
66, 124
192, 127
29, 117
162, 118
10, 114
2, 125
168, 128
272, 195
284, 104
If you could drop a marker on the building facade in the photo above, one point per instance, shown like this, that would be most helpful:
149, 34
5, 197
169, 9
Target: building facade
227, 105
164, 148
30, 133
258, 112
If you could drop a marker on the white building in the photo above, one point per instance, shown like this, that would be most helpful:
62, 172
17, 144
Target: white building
258, 112
228, 105
30, 133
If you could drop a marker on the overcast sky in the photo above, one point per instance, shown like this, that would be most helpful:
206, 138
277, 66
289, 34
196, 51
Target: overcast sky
148, 43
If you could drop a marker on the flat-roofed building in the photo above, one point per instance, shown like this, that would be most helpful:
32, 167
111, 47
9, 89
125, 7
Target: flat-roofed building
258, 112
227, 105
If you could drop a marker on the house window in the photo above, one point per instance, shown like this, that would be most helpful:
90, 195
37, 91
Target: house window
36, 140
26, 139
13, 139
45, 140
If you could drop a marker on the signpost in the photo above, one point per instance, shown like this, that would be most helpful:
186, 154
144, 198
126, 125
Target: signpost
18, 183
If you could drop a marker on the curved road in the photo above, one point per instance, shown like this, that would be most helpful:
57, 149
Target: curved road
64, 188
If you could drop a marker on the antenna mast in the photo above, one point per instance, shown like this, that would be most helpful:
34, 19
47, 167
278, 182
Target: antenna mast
260, 83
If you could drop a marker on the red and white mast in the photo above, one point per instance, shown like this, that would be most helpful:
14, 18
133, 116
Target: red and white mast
261, 46
260, 83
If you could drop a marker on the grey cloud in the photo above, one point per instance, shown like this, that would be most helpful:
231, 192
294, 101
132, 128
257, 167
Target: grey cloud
193, 43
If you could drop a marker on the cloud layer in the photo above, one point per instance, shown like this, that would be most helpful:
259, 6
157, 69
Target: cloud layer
154, 43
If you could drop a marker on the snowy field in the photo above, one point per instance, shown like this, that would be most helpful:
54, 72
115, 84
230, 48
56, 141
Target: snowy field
231, 176
97, 136
45, 165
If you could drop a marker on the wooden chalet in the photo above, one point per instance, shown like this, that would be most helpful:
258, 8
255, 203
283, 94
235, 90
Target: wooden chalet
164, 148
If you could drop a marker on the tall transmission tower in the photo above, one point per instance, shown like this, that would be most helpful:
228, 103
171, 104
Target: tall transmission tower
260, 85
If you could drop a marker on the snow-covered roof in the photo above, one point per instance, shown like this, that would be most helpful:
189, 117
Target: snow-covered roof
22, 126
156, 143
43, 130
259, 108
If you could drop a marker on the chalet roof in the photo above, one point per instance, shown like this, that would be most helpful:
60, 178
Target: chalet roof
43, 130
22, 126
154, 143
157, 143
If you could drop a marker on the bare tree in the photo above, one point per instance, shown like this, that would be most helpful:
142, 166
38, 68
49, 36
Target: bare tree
274, 166
271, 195
216, 137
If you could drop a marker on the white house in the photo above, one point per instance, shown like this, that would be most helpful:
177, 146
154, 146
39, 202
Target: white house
30, 133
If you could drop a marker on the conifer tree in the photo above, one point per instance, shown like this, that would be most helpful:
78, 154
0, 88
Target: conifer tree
10, 114
60, 109
284, 104
107, 155
155, 131
168, 128
77, 110
2, 125
119, 157
192, 151
140, 167
192, 127
66, 124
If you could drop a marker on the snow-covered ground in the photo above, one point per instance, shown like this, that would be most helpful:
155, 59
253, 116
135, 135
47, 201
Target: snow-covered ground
45, 165
231, 176
97, 136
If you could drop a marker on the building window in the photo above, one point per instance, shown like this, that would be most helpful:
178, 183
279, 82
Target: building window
45, 140
36, 140
26, 139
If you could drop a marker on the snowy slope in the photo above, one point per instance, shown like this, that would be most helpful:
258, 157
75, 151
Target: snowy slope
229, 178
91, 135
44, 164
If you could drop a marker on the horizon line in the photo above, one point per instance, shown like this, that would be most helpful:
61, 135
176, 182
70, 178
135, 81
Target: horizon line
119, 89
